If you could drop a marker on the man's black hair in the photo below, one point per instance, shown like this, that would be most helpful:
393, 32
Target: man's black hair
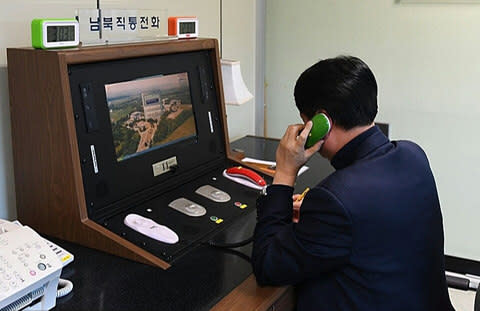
343, 86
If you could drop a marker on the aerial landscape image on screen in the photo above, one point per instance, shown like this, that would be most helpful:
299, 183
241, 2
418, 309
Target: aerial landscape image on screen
149, 113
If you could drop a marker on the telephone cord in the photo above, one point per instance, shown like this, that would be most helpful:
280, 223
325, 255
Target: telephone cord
64, 287
231, 245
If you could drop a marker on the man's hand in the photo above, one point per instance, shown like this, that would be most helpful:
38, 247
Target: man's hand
291, 153
296, 207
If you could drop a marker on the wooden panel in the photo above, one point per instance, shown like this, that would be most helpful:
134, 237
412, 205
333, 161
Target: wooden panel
48, 179
43, 174
249, 296
121, 51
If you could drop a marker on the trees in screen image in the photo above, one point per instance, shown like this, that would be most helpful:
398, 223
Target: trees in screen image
167, 126
125, 140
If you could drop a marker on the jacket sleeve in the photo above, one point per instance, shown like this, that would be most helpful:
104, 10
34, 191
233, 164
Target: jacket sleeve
286, 253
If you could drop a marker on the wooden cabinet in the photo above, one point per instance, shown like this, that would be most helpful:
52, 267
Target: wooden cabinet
49, 187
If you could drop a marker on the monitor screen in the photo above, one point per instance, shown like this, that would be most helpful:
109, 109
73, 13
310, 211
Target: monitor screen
149, 113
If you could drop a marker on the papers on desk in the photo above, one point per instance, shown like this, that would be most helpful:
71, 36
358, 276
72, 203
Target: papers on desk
268, 166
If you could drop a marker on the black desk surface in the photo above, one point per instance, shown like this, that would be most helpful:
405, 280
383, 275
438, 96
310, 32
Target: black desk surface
195, 282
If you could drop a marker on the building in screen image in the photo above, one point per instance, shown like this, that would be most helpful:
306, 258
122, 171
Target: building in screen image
149, 113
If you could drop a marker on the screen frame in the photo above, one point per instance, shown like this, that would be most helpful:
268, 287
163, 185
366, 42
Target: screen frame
214, 144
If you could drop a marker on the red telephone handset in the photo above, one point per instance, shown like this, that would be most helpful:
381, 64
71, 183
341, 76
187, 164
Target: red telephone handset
238, 171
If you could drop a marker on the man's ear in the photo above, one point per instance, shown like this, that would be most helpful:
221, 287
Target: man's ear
305, 119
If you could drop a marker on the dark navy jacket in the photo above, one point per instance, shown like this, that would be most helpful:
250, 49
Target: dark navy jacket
370, 235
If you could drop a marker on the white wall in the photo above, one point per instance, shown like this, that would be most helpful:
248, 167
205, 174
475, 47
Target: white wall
15, 17
239, 44
426, 59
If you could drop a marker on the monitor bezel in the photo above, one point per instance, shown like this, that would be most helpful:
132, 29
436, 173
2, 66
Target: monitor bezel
107, 188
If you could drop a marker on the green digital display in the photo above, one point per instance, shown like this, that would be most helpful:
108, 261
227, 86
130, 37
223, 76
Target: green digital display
187, 27
60, 33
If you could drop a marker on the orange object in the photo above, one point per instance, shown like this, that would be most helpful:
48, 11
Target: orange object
303, 194
296, 210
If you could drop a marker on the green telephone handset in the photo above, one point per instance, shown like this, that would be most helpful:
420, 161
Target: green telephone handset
321, 127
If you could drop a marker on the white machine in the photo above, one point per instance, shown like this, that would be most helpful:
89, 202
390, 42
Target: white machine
30, 269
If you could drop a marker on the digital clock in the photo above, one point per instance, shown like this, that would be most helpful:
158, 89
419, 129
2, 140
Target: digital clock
183, 26
54, 33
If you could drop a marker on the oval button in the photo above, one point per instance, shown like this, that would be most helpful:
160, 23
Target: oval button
41, 266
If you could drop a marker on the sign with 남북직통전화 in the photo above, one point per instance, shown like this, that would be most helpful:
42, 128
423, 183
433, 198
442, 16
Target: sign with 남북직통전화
99, 26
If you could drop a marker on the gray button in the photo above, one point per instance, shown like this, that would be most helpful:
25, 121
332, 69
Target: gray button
41, 266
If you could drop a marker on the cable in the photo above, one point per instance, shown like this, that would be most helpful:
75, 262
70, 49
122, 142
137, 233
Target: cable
236, 253
231, 245
64, 287
25, 300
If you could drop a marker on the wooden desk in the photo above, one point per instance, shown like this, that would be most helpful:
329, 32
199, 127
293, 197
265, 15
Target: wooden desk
249, 296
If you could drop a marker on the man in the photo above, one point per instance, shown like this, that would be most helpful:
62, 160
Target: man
370, 235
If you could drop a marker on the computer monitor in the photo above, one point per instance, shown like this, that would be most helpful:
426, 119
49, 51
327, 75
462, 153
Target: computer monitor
142, 123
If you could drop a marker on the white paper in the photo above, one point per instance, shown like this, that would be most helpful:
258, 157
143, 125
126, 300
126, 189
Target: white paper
271, 163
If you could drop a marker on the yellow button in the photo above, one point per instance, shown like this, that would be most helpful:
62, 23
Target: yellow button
65, 258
